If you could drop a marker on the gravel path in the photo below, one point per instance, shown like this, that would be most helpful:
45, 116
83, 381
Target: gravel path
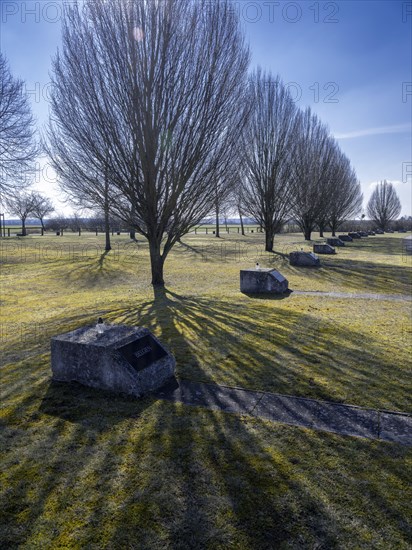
349, 295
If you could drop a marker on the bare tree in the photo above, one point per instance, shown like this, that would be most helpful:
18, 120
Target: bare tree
268, 151
155, 91
18, 148
384, 205
345, 194
311, 171
21, 204
42, 207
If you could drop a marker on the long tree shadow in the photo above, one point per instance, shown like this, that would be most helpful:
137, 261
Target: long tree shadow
264, 347
102, 259
368, 275
93, 470
355, 274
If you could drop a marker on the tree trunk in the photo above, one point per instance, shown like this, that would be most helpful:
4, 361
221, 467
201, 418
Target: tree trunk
133, 234
241, 223
269, 238
217, 217
157, 264
23, 227
307, 233
107, 230
106, 210
321, 229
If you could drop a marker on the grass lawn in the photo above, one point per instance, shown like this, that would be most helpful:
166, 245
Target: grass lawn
84, 469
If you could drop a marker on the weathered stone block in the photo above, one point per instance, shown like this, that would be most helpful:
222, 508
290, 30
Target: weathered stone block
355, 235
304, 259
323, 249
335, 241
345, 238
407, 244
122, 359
263, 280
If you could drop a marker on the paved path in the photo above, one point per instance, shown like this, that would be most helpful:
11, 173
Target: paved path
296, 411
387, 297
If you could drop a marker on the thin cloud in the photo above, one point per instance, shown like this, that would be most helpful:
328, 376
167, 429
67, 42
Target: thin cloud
395, 129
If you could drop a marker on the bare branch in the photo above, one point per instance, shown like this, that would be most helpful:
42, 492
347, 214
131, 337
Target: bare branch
18, 148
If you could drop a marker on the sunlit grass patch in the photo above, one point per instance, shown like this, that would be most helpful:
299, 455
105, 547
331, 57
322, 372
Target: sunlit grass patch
85, 469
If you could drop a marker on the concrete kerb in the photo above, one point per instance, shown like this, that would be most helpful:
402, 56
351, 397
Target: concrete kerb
343, 419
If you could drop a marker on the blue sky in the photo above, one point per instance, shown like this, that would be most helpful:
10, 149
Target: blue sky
349, 60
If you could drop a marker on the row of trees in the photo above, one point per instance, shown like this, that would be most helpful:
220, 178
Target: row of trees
292, 166
152, 121
24, 204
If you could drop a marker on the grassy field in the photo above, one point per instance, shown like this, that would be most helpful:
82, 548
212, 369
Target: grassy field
84, 469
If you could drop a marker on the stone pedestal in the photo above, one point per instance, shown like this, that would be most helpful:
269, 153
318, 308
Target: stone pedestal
304, 259
407, 244
264, 280
335, 241
122, 359
323, 249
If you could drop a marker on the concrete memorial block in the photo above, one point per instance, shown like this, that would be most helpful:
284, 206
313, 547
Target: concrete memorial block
117, 358
354, 235
371, 233
407, 244
364, 233
345, 238
304, 259
262, 280
335, 241
323, 249
379, 232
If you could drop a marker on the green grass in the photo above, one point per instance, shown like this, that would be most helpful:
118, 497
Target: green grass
83, 469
